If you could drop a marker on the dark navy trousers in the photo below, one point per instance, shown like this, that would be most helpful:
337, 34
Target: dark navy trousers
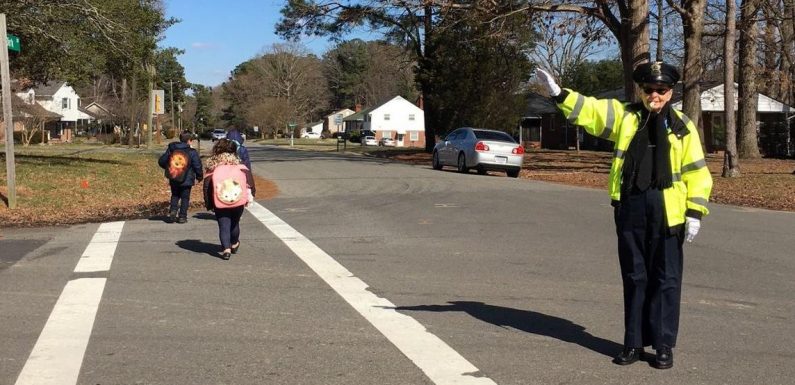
651, 270
180, 198
229, 225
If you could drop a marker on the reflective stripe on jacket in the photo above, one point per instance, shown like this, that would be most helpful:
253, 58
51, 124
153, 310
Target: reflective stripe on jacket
617, 122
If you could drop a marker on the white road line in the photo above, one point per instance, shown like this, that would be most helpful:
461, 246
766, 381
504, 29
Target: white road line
99, 253
436, 359
58, 354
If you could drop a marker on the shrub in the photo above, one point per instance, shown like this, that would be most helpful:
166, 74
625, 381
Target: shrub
35, 140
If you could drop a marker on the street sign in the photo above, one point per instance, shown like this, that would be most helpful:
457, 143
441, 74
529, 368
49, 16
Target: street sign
291, 125
13, 43
158, 102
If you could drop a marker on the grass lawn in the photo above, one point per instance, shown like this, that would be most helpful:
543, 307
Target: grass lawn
69, 184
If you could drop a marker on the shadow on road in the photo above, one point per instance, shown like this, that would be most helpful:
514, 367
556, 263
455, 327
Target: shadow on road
527, 321
198, 246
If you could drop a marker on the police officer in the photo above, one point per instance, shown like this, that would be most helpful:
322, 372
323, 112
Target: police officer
659, 185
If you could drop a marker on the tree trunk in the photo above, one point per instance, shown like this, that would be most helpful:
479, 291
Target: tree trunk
787, 67
131, 104
634, 43
426, 82
731, 168
746, 114
693, 26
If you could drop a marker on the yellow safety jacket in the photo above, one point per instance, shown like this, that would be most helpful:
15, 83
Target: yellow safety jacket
617, 122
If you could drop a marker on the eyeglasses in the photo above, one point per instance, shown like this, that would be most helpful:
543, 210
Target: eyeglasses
659, 91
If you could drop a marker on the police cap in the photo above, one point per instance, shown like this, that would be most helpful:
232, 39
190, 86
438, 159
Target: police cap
655, 72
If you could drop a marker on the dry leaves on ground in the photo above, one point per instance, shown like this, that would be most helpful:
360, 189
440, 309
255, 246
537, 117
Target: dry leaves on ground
764, 183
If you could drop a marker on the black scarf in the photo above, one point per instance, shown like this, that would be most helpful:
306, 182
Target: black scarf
653, 130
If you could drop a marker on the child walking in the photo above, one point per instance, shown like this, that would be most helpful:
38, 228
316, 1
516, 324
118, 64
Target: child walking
228, 188
183, 168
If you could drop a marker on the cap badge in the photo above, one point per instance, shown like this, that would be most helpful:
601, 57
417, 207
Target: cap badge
656, 68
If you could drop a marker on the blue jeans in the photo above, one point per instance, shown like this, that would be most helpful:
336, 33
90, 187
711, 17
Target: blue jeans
229, 225
180, 197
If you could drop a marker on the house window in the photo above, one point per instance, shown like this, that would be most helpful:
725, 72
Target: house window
386, 116
65, 104
411, 117
414, 135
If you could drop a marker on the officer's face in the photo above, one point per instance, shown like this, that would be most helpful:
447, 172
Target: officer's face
655, 95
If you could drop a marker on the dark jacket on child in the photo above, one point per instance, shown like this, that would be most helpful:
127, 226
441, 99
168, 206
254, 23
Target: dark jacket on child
195, 167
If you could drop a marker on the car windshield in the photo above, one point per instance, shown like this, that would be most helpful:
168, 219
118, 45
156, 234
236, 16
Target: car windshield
493, 135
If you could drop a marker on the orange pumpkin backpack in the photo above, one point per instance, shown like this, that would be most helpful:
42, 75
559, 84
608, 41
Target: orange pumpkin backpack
178, 166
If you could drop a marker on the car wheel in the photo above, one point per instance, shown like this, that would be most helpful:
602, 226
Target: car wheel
436, 165
512, 173
462, 164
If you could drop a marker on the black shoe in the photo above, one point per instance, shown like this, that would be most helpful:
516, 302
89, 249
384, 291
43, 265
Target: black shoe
664, 358
628, 356
225, 256
182, 220
172, 216
234, 248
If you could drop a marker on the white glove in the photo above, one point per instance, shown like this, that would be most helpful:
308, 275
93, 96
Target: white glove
250, 198
692, 225
546, 80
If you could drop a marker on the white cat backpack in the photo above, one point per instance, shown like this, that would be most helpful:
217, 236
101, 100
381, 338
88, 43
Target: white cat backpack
229, 186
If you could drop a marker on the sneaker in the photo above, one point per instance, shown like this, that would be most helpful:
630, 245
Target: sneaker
172, 216
182, 220
226, 255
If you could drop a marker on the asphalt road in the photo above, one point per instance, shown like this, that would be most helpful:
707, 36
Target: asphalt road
364, 271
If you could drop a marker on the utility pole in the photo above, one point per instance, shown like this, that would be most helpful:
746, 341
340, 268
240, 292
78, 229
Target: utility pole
8, 117
171, 93
151, 109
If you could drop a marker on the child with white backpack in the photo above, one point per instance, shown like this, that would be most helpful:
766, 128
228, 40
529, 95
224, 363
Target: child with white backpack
228, 189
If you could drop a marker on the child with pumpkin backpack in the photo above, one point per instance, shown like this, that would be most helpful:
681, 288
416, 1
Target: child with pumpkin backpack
228, 189
183, 168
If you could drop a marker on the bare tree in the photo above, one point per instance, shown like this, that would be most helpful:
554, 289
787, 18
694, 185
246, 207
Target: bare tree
748, 94
692, 13
565, 41
731, 167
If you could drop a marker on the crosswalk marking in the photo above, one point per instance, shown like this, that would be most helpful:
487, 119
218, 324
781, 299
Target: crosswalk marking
99, 252
58, 354
434, 357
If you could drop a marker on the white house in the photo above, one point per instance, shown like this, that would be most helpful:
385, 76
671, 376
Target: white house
398, 119
333, 122
312, 127
60, 98
773, 121
712, 100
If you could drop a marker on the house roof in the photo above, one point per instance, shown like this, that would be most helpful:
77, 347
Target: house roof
359, 116
48, 89
339, 112
24, 110
96, 110
538, 104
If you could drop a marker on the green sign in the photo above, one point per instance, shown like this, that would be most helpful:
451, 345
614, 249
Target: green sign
13, 43
291, 125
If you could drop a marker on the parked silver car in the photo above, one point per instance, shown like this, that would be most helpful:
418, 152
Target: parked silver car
218, 133
467, 148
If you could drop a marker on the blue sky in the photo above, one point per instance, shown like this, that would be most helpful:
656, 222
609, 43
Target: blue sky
218, 35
